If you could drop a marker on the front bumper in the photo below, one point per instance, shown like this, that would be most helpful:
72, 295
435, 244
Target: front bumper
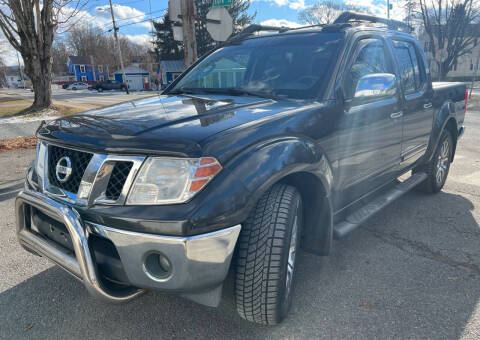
197, 264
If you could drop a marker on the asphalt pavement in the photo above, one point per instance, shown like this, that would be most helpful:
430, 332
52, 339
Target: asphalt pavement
411, 272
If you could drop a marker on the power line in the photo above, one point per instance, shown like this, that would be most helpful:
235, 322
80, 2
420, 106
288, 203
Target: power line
136, 16
134, 23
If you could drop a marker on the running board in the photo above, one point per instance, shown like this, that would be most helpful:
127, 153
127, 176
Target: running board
359, 216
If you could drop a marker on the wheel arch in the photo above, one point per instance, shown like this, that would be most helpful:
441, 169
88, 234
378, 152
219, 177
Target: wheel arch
317, 212
299, 163
444, 120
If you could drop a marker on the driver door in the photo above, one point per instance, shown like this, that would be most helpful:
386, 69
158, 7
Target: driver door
371, 127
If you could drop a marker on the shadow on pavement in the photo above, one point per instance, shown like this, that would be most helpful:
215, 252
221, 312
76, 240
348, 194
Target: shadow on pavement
399, 276
11, 191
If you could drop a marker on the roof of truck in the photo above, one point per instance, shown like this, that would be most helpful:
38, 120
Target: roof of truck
346, 22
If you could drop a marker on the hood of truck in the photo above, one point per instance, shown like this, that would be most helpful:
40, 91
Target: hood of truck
174, 125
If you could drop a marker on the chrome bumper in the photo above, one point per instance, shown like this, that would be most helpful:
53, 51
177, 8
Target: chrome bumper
198, 263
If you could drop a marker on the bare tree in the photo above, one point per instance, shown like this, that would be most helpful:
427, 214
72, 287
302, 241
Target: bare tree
3, 74
84, 40
29, 26
325, 12
448, 26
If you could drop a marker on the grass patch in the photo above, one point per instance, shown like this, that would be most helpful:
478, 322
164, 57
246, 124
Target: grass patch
65, 110
13, 107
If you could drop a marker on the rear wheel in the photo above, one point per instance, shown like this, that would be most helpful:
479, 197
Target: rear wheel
437, 169
266, 256
100, 89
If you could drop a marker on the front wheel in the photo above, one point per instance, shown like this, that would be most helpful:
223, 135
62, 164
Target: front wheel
437, 169
266, 256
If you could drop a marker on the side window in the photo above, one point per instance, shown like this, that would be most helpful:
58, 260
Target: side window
371, 59
412, 72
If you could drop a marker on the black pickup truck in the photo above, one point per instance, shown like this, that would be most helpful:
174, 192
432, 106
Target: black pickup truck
273, 141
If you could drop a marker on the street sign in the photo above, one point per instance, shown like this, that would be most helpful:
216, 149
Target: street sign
221, 3
219, 23
174, 10
177, 33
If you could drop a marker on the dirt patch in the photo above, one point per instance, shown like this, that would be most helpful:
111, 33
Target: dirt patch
18, 143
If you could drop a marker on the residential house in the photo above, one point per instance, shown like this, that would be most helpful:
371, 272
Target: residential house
84, 69
170, 70
136, 77
466, 67
13, 77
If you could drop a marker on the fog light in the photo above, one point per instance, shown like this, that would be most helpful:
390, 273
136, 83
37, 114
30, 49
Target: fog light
157, 266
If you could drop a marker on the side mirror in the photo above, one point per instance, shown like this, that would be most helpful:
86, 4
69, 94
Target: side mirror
375, 85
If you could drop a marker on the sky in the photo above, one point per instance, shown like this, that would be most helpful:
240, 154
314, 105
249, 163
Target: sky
132, 16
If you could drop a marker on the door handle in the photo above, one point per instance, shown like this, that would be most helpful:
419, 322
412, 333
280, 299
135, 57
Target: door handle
427, 105
396, 115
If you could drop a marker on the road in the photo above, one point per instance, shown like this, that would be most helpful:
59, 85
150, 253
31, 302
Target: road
412, 271
82, 96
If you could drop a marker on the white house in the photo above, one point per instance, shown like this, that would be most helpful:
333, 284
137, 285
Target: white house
137, 78
466, 66
14, 80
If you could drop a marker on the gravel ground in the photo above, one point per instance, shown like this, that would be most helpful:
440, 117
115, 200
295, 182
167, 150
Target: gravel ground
411, 272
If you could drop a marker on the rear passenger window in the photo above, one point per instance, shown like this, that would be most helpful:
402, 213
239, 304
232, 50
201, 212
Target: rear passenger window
371, 59
412, 73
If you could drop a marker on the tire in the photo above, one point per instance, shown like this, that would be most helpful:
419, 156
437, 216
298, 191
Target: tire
100, 89
265, 258
74, 88
437, 169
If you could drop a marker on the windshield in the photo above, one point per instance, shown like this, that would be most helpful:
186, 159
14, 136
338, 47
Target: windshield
291, 65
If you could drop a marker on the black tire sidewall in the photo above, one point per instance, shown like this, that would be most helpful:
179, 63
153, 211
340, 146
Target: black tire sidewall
286, 301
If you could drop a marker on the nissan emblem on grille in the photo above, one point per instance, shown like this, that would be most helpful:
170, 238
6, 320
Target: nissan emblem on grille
63, 169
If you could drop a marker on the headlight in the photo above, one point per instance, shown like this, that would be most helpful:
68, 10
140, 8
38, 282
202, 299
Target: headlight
171, 180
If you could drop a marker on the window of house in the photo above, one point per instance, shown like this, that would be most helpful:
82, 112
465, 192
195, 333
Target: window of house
101, 78
84, 78
455, 66
471, 65
82, 68
100, 68
370, 60
412, 73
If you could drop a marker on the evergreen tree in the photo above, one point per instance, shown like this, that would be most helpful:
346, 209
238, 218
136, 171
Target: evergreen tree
166, 48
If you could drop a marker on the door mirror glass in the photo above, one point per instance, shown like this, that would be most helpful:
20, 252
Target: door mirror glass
374, 86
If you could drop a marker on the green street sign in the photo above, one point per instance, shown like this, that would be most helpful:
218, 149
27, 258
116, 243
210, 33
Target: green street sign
221, 3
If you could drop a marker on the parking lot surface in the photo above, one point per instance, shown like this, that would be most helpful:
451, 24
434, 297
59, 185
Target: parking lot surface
412, 271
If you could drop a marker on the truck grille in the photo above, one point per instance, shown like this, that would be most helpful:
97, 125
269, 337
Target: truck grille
65, 170
117, 180
79, 162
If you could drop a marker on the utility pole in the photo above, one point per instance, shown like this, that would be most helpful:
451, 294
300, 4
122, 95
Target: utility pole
188, 28
20, 69
115, 29
388, 9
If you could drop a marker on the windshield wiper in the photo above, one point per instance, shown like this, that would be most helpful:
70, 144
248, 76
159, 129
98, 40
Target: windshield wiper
183, 91
235, 91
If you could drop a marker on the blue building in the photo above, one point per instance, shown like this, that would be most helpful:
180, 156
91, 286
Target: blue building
170, 70
84, 69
